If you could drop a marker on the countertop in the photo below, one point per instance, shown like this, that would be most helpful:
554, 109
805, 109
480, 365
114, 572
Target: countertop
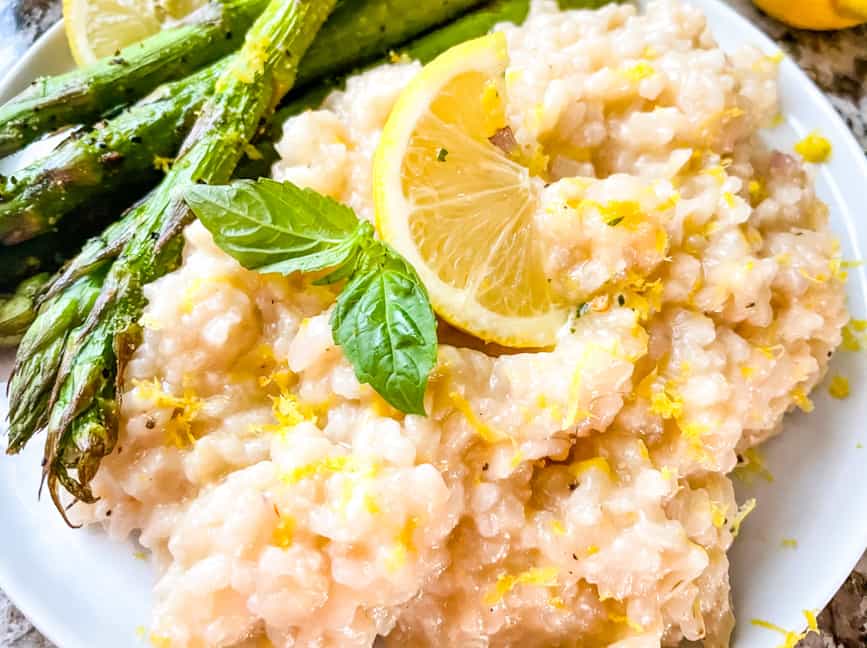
836, 61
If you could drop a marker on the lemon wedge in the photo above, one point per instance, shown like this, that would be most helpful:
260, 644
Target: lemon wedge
458, 207
98, 28
817, 14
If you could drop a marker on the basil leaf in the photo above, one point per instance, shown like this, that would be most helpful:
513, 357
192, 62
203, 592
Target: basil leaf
274, 226
385, 324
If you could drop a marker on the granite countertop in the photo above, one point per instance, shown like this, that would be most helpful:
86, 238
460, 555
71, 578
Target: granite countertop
836, 61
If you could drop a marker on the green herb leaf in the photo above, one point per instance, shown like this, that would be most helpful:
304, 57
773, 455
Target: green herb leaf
274, 226
383, 319
385, 324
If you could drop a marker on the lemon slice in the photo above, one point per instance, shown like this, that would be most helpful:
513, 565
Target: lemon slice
457, 207
817, 14
98, 28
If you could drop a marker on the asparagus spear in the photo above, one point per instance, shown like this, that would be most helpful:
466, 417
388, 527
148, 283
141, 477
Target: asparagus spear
125, 147
16, 310
80, 418
424, 48
130, 146
84, 95
47, 252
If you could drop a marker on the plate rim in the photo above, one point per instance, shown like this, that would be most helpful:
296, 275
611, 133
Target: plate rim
37, 610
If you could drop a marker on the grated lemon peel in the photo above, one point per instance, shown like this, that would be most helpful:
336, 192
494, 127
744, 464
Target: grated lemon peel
855, 335
839, 387
814, 148
284, 532
482, 429
743, 511
185, 409
790, 637
752, 465
537, 576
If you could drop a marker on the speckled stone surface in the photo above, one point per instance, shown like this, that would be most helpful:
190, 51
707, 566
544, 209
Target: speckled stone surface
836, 61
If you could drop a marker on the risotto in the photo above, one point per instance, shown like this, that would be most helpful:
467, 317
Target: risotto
570, 496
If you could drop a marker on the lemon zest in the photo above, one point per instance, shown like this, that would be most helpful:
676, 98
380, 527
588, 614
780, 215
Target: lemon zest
814, 148
596, 463
159, 641
485, 431
185, 409
801, 399
639, 71
538, 576
839, 387
558, 528
666, 403
743, 511
284, 532
619, 618
789, 543
332, 465
790, 638
854, 336
717, 514
752, 465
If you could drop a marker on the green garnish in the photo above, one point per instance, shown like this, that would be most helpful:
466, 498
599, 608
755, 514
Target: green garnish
614, 221
582, 309
382, 319
442, 154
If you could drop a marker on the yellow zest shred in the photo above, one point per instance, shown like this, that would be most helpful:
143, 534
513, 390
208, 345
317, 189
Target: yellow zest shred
666, 403
756, 190
163, 164
184, 408
752, 465
801, 399
252, 152
790, 637
557, 602
717, 514
159, 641
789, 543
814, 148
281, 377
855, 335
745, 509
331, 465
619, 618
747, 370
485, 431
626, 213
558, 528
284, 532
693, 432
839, 387
538, 576
729, 198
639, 71
596, 463
140, 555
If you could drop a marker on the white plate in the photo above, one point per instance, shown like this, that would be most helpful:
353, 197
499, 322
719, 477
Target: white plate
84, 591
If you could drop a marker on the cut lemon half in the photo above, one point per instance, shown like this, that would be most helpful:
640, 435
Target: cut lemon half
460, 209
99, 28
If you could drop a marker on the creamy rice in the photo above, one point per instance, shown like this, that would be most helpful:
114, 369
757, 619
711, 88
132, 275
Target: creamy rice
572, 496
